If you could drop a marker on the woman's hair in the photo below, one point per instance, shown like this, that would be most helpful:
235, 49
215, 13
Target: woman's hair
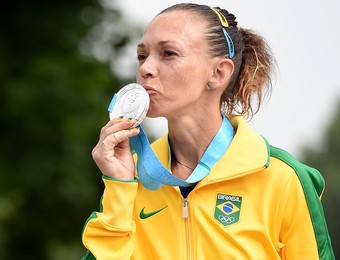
253, 60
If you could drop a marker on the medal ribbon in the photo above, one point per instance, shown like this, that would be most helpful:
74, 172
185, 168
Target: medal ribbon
153, 174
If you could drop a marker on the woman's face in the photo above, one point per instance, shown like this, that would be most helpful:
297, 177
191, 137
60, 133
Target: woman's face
174, 64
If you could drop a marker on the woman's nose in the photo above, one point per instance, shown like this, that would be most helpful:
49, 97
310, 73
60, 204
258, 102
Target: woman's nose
148, 68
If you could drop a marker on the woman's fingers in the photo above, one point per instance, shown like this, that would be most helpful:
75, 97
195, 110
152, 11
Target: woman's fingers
116, 139
112, 153
111, 141
116, 125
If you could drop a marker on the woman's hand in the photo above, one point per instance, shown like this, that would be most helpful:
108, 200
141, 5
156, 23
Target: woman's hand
112, 153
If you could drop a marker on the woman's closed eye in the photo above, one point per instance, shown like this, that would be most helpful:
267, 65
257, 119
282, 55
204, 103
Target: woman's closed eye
168, 53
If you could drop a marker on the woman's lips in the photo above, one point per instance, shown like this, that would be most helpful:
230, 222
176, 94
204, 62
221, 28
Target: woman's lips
150, 90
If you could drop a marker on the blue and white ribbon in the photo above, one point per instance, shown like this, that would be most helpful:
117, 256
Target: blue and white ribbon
153, 174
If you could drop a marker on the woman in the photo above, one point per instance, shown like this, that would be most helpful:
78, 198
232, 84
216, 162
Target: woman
248, 200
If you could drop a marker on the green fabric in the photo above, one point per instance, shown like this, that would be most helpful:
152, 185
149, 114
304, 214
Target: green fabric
88, 256
313, 184
114, 179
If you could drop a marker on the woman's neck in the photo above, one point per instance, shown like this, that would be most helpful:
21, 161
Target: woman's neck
189, 138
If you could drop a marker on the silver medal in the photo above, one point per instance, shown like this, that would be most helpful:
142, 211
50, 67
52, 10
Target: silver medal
131, 101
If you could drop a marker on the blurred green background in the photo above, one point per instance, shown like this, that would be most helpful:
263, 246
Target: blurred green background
57, 78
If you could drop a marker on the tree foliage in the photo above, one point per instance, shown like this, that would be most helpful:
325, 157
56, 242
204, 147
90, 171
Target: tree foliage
52, 106
326, 158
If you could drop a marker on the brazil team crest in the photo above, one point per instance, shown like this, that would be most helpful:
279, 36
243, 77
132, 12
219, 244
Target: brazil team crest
227, 209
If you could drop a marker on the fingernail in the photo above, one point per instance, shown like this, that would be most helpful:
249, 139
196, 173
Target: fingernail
131, 129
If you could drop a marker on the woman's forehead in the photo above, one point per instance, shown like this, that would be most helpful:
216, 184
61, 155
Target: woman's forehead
176, 25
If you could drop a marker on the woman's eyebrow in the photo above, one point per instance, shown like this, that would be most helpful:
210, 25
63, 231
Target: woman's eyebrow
161, 43
141, 45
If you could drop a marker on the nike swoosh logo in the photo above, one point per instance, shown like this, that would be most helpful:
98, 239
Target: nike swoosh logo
144, 215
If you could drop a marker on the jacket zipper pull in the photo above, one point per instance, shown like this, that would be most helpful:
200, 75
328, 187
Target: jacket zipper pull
185, 210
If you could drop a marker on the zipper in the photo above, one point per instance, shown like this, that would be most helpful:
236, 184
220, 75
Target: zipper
185, 210
185, 215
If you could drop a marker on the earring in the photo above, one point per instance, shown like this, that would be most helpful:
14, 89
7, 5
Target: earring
210, 86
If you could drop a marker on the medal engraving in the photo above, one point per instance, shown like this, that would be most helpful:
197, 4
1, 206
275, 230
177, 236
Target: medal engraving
132, 101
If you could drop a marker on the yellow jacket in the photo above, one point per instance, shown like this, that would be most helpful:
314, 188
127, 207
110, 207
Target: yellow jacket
252, 205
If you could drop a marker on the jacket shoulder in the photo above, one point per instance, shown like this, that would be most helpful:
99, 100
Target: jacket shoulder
306, 174
313, 186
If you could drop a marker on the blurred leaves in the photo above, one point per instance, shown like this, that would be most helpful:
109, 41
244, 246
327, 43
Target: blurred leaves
54, 94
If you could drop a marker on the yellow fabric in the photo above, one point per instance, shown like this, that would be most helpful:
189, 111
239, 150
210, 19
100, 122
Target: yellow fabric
109, 234
274, 221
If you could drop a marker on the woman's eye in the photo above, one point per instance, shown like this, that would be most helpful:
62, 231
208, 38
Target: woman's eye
169, 53
141, 57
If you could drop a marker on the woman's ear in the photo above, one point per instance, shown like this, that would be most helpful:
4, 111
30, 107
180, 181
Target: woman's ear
223, 70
